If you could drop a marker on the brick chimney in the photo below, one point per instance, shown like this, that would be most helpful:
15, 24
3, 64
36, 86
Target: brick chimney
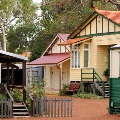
95, 8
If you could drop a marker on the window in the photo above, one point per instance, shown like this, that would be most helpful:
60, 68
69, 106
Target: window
86, 55
75, 63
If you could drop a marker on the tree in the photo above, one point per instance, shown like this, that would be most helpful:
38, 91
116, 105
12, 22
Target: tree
62, 16
16, 12
21, 38
114, 2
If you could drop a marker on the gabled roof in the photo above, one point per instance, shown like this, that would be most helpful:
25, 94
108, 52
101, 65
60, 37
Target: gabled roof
61, 36
113, 16
48, 59
71, 41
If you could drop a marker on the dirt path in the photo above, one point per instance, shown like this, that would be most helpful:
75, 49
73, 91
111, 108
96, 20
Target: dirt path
84, 109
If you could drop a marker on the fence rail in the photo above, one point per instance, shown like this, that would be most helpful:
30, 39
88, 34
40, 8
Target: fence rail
6, 109
52, 107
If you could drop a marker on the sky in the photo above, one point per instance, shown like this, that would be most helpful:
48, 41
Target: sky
38, 1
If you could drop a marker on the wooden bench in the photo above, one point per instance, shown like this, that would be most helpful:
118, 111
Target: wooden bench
73, 87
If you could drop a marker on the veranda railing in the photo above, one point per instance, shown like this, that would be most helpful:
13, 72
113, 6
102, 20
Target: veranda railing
90, 74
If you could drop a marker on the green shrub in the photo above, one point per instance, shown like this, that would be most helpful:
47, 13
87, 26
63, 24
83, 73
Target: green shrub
2, 97
61, 93
37, 89
65, 86
85, 95
106, 72
16, 94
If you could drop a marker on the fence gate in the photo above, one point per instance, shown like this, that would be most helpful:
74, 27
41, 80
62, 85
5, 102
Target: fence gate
114, 98
6, 109
52, 107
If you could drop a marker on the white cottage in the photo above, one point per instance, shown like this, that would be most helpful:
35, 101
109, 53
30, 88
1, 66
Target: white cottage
56, 62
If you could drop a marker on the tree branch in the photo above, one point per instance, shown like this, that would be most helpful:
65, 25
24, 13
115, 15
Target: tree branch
114, 2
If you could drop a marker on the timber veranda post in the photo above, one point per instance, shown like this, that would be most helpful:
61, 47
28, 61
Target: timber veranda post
8, 75
24, 80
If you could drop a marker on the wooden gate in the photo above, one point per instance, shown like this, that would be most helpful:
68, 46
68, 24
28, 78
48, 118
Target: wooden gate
6, 109
52, 107
114, 96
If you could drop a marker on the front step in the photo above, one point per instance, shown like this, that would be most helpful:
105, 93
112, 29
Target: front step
106, 90
20, 110
106, 85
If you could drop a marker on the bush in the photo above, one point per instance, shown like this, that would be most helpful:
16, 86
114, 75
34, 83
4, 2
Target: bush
16, 94
106, 72
85, 95
62, 91
2, 97
37, 89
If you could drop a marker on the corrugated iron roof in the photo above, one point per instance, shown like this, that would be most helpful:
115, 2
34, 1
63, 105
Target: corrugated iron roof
12, 55
54, 58
63, 36
71, 41
111, 15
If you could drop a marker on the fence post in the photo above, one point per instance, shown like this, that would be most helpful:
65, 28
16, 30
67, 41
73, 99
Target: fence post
31, 108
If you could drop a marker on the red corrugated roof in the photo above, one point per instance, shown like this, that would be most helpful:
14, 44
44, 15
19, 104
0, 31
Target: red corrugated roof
63, 36
54, 58
111, 15
71, 41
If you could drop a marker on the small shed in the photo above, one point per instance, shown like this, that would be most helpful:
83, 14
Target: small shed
114, 80
115, 61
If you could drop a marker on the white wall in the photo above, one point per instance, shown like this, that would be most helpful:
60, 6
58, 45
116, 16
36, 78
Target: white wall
114, 63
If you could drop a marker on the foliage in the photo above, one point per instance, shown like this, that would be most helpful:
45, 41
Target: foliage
28, 31
62, 91
85, 95
37, 89
106, 72
16, 94
14, 13
2, 97
65, 86
21, 38
62, 16
114, 2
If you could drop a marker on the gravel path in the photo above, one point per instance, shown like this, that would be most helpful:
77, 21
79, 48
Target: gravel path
84, 109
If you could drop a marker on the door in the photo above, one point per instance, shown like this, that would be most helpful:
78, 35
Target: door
55, 77
65, 75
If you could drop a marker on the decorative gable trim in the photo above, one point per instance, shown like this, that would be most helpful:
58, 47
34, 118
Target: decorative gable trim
59, 36
82, 25
88, 21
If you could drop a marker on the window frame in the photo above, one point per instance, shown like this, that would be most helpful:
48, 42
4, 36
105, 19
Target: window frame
87, 49
75, 57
